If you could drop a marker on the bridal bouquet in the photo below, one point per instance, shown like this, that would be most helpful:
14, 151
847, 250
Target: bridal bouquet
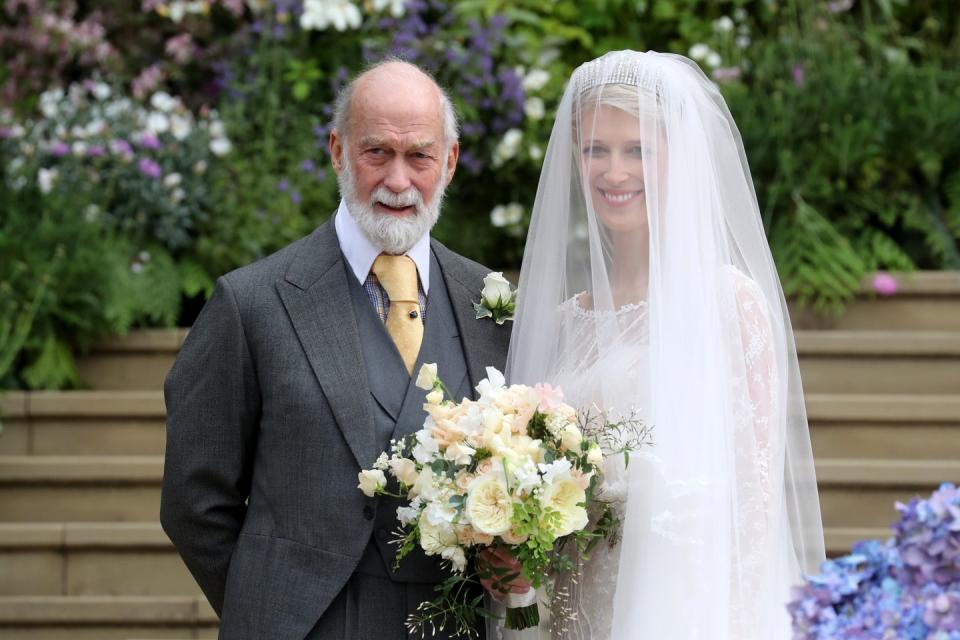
515, 469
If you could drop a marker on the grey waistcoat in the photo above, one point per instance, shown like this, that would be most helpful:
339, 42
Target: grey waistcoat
398, 408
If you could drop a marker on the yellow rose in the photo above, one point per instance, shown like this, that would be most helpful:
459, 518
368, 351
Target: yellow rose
370, 481
489, 505
566, 497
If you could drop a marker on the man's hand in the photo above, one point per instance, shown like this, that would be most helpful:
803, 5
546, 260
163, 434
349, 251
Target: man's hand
502, 571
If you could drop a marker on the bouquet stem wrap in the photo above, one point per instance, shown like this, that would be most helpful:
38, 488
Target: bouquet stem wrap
522, 610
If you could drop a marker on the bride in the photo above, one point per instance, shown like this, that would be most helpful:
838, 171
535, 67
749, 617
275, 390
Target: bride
648, 289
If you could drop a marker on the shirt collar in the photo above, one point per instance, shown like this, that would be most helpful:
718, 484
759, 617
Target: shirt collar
360, 252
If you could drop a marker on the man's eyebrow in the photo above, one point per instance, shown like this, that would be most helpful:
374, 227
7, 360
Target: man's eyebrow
374, 141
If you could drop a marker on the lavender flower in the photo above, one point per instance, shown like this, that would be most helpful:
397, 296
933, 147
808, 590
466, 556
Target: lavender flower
150, 141
149, 168
59, 149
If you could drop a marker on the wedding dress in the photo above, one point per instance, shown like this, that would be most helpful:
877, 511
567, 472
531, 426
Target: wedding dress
648, 289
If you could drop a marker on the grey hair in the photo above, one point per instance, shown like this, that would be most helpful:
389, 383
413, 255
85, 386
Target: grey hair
341, 109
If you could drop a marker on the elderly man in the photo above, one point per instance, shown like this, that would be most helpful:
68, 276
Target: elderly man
298, 372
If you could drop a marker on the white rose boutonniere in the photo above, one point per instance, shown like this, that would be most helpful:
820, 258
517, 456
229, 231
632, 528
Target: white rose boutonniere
498, 300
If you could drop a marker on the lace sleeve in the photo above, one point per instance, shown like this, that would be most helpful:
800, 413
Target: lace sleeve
757, 451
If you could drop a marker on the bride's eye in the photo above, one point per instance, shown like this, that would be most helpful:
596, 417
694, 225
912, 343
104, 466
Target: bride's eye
594, 150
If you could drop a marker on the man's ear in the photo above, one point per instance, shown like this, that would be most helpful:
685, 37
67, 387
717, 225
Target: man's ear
452, 156
335, 145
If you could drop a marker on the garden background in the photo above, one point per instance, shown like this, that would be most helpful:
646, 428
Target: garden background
147, 147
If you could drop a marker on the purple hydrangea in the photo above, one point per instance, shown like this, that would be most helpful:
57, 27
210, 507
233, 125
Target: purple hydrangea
906, 587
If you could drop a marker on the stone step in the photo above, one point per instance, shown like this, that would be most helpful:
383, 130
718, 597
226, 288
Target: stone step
853, 492
924, 301
131, 423
894, 362
80, 488
90, 558
139, 360
82, 422
857, 493
105, 617
907, 426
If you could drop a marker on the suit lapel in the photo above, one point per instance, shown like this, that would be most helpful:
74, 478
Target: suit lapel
484, 342
315, 294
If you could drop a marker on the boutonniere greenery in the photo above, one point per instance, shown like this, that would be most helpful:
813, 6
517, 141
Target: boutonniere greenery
498, 299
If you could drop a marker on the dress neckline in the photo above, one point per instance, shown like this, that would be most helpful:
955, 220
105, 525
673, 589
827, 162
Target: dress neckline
578, 309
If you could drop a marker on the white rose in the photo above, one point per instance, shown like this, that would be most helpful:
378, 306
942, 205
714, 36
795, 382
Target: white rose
535, 80
46, 178
595, 455
434, 538
404, 469
489, 505
496, 290
370, 481
570, 438
534, 108
427, 376
220, 146
566, 497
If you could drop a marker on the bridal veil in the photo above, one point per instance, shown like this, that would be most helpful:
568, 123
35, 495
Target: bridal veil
648, 285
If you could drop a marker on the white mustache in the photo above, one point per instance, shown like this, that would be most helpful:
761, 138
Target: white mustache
409, 198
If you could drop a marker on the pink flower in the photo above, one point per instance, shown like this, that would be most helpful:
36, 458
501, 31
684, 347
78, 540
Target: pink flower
147, 81
799, 76
550, 397
149, 168
725, 74
884, 284
180, 48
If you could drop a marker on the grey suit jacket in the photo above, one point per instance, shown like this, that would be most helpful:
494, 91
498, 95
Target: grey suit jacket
269, 420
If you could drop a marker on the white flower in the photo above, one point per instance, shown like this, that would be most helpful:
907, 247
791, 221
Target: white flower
50, 102
459, 453
200, 167
177, 10
101, 90
555, 471
525, 476
494, 380
408, 515
172, 180
743, 41
435, 537
489, 505
496, 291
320, 14
177, 195
370, 481
217, 130
180, 127
723, 24
79, 148
96, 127
46, 178
426, 447
456, 556
158, 123
220, 146
435, 397
535, 152
714, 59
535, 80
507, 147
91, 213
566, 497
396, 6
595, 454
700, 51
163, 101
506, 215
404, 469
570, 438
534, 108
427, 377
381, 462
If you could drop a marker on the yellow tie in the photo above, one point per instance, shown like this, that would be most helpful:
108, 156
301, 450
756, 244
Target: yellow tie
398, 277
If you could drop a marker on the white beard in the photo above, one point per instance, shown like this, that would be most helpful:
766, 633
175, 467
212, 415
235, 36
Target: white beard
393, 235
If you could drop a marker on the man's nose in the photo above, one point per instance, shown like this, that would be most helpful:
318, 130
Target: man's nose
397, 178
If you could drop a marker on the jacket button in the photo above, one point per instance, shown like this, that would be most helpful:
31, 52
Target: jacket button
368, 512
